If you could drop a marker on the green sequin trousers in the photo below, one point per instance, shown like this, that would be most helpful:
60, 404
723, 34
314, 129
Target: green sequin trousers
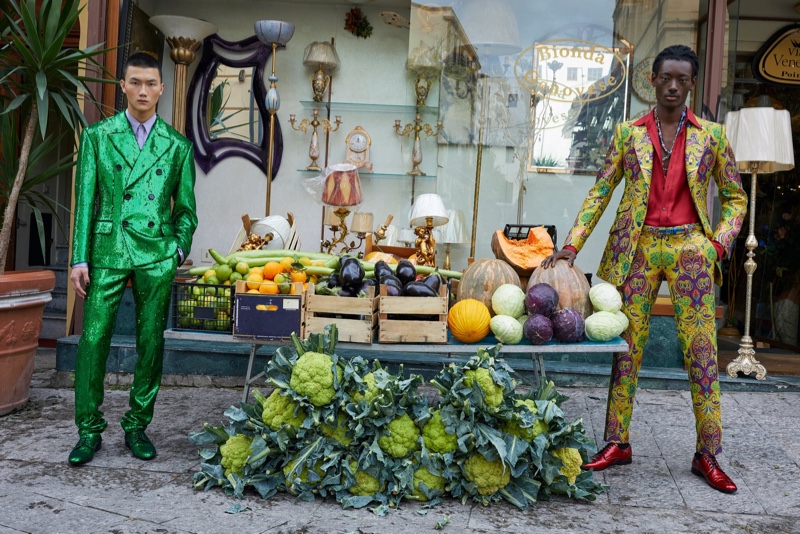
152, 285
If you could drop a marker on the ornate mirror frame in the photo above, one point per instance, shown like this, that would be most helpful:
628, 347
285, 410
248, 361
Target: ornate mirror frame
208, 152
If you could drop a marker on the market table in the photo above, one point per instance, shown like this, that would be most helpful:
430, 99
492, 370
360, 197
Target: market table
452, 347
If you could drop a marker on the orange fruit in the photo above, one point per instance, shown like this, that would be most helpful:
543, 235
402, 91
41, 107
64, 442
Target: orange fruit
287, 263
259, 270
254, 280
298, 276
269, 288
280, 278
318, 263
304, 261
271, 269
253, 291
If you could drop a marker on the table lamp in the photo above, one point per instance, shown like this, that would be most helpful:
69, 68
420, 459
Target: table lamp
761, 138
428, 211
341, 190
322, 56
184, 35
453, 233
273, 33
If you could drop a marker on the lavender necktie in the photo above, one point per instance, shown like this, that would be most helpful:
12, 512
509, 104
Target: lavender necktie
141, 136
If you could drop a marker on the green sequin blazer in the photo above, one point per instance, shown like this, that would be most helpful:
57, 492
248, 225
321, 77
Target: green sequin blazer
132, 207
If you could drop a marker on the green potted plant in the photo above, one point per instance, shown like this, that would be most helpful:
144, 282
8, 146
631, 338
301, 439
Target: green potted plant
39, 80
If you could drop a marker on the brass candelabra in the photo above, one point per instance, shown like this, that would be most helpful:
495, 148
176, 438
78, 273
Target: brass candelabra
416, 127
315, 122
340, 233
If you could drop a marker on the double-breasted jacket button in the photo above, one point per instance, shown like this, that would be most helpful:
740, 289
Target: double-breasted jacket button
159, 172
125, 224
151, 224
118, 167
127, 196
151, 196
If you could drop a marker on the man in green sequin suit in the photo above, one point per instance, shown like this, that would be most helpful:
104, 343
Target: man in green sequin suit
134, 220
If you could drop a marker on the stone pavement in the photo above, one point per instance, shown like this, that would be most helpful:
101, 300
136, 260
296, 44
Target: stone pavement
116, 493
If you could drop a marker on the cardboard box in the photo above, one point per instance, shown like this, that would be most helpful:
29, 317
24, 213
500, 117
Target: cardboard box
356, 318
402, 319
202, 307
268, 317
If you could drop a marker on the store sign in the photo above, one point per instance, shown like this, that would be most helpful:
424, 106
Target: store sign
778, 60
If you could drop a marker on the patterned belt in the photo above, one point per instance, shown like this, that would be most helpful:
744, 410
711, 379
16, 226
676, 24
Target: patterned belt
671, 230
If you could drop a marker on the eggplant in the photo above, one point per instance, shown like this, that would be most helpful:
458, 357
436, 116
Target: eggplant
366, 284
406, 271
347, 292
333, 281
351, 273
382, 269
393, 290
418, 289
433, 281
391, 279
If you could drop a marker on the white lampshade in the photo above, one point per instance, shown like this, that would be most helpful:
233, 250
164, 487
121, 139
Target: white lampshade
428, 205
187, 27
362, 222
455, 231
406, 235
321, 53
274, 31
761, 135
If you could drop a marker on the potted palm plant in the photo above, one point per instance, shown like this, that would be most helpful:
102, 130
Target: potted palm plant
39, 79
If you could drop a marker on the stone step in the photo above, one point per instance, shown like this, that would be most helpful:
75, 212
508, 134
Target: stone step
227, 360
54, 325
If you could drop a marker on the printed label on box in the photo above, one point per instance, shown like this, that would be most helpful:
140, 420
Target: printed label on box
291, 304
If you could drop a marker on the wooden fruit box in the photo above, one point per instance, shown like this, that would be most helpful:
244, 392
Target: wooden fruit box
412, 328
356, 318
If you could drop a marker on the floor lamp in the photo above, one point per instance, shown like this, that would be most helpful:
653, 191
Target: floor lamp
761, 139
273, 33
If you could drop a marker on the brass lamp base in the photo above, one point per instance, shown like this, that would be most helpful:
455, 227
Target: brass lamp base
425, 244
746, 361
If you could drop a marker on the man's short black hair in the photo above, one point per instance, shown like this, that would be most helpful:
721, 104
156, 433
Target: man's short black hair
677, 53
143, 60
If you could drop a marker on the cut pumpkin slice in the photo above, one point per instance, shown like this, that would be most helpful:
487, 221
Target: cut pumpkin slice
524, 255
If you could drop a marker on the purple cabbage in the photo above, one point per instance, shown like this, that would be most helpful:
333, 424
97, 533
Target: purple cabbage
541, 299
568, 325
538, 329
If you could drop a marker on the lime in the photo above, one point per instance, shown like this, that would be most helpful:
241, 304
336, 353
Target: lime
235, 277
242, 268
212, 280
285, 288
209, 273
224, 272
232, 263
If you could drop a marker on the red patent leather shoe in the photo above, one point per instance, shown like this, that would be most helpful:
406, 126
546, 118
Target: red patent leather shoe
611, 454
707, 467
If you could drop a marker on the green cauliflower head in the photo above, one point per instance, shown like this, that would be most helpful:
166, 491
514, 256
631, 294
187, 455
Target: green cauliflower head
435, 436
371, 391
434, 482
490, 477
337, 432
482, 376
234, 453
401, 437
312, 376
572, 461
279, 410
366, 484
526, 433
294, 478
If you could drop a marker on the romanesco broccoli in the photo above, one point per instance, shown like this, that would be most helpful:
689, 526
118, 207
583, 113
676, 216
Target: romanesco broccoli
401, 437
490, 477
366, 484
312, 376
302, 476
234, 453
572, 461
435, 436
434, 482
339, 432
526, 433
371, 391
279, 410
492, 392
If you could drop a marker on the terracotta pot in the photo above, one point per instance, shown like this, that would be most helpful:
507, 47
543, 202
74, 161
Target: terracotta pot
23, 295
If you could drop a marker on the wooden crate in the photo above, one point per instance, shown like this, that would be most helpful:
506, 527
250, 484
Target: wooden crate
412, 330
356, 318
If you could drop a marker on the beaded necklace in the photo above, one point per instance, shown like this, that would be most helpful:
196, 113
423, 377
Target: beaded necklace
666, 153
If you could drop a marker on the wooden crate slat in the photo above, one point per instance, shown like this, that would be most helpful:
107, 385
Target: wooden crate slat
412, 332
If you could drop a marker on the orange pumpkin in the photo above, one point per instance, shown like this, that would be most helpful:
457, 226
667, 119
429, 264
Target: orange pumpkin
484, 276
524, 255
469, 320
569, 282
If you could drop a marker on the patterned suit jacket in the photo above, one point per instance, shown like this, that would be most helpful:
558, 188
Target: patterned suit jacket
630, 158
132, 207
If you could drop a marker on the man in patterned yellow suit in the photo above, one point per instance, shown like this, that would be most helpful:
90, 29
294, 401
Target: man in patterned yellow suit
662, 231
134, 220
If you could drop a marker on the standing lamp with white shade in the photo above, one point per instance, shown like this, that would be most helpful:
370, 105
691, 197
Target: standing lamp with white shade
427, 213
322, 56
453, 233
273, 33
761, 139
184, 35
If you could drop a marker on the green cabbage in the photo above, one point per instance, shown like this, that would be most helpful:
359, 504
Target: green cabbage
506, 329
508, 299
603, 326
605, 297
